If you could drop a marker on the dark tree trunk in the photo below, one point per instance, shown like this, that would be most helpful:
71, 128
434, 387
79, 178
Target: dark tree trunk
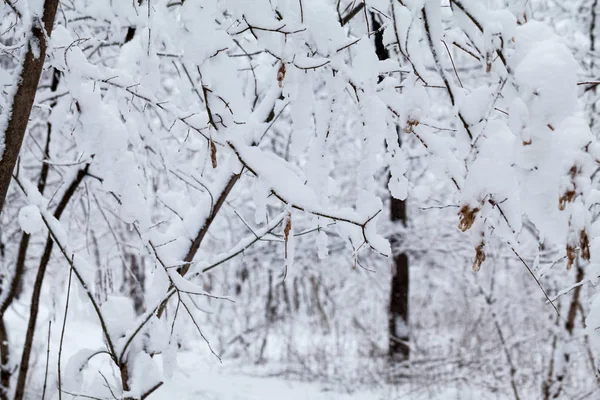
5, 372
398, 307
19, 111
23, 100
137, 283
398, 310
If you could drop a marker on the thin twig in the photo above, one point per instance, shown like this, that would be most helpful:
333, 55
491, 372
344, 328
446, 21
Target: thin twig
535, 278
47, 361
62, 334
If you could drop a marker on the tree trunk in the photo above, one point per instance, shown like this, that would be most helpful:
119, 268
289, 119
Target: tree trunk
398, 307
5, 373
136, 278
28, 79
18, 112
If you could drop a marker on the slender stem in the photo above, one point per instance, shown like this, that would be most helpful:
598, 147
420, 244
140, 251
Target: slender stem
47, 360
37, 287
62, 335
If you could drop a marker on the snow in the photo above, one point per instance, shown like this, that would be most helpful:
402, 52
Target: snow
208, 382
475, 105
552, 90
119, 315
242, 138
401, 326
219, 386
200, 39
30, 219
322, 250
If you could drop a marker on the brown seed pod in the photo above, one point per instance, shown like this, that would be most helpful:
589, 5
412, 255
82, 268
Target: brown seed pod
288, 227
213, 153
281, 75
466, 217
584, 244
571, 255
286, 235
479, 257
570, 194
567, 197
410, 125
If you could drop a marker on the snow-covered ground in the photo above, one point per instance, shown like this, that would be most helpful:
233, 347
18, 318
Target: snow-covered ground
201, 380
197, 374
201, 383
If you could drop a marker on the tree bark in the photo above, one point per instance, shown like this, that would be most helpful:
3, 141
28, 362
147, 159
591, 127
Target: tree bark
398, 349
136, 283
19, 111
22, 103
5, 373
398, 308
